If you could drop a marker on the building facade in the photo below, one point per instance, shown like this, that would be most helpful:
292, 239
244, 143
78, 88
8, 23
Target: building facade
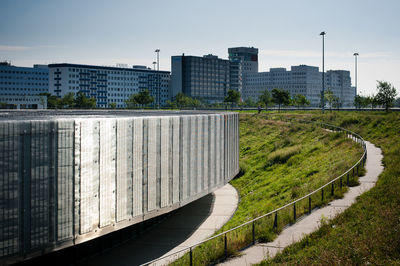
69, 177
242, 60
206, 77
108, 84
302, 79
20, 86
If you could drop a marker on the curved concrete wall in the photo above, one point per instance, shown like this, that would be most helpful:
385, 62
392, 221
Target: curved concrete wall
65, 180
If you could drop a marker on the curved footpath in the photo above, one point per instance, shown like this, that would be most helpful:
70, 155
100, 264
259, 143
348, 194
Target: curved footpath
189, 225
310, 223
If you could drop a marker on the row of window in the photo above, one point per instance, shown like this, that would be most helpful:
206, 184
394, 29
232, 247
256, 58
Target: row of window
24, 83
25, 72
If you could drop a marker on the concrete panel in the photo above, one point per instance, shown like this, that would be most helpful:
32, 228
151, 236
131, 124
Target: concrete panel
107, 171
89, 179
206, 170
151, 165
137, 167
184, 159
165, 137
175, 155
211, 151
193, 156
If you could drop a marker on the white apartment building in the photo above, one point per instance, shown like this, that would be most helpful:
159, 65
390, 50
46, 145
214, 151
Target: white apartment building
108, 84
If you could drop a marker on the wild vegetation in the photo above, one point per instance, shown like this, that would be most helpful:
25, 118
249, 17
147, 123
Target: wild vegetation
369, 231
279, 162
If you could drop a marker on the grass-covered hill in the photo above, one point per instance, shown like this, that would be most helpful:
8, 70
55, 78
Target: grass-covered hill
368, 233
279, 162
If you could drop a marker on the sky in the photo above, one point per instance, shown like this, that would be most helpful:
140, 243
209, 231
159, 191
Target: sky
286, 32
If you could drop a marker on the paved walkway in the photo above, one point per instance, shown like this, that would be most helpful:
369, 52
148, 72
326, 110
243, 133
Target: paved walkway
310, 223
189, 225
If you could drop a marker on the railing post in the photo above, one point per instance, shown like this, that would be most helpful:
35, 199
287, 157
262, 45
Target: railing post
332, 189
357, 169
353, 171
309, 205
341, 183
225, 246
322, 194
294, 211
191, 256
276, 220
348, 174
253, 234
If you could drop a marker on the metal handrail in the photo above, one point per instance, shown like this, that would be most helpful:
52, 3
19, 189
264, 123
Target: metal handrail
359, 139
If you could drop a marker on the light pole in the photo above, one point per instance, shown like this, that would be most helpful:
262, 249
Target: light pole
154, 65
323, 71
355, 57
158, 78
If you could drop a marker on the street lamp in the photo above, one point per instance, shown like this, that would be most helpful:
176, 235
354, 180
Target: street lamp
158, 78
355, 57
323, 71
154, 65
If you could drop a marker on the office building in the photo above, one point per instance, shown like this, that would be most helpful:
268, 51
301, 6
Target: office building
20, 86
302, 79
206, 77
243, 60
108, 84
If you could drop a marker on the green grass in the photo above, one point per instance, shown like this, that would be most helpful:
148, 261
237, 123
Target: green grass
369, 231
279, 162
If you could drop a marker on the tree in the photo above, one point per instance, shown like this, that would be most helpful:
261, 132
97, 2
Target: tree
330, 97
249, 102
265, 98
112, 105
386, 94
142, 98
81, 101
280, 97
233, 96
53, 101
300, 100
68, 100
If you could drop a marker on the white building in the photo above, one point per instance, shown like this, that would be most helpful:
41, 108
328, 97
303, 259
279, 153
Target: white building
108, 84
20, 86
302, 79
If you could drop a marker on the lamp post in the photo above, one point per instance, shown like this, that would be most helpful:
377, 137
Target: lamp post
355, 57
158, 78
154, 65
323, 71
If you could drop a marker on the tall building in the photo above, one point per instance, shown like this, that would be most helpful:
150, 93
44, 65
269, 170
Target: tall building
108, 84
243, 60
302, 79
204, 77
20, 86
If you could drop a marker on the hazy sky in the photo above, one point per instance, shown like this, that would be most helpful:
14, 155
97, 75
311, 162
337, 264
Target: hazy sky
286, 32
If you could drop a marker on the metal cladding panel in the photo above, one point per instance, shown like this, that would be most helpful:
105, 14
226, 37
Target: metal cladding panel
137, 192
89, 179
184, 173
40, 175
152, 164
175, 160
124, 169
65, 179
199, 155
165, 138
107, 171
211, 151
206, 172
9, 188
193, 156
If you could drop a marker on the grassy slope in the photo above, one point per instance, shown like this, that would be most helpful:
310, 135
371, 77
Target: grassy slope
280, 162
369, 231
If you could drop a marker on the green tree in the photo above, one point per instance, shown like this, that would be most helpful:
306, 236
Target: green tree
358, 99
68, 100
233, 96
265, 98
81, 101
249, 102
330, 97
281, 97
53, 101
386, 94
112, 105
300, 100
144, 98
